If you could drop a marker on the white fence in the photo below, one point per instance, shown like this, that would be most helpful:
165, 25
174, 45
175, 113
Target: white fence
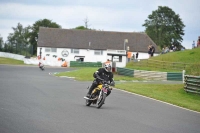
33, 61
13, 56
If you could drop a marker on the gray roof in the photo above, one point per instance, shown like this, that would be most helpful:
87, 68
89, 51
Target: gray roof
98, 40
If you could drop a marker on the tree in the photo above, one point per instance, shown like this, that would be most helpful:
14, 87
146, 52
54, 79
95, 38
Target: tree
86, 23
18, 39
35, 30
81, 28
15, 39
164, 27
86, 27
1, 43
6, 48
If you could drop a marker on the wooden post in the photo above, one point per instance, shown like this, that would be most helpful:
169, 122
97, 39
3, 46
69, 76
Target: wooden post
183, 76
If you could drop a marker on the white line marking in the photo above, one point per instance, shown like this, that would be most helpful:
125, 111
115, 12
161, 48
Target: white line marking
157, 100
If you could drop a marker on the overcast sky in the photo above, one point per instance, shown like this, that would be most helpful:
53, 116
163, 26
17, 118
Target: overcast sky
107, 15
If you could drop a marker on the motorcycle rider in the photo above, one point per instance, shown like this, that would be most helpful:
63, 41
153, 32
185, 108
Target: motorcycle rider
40, 65
102, 73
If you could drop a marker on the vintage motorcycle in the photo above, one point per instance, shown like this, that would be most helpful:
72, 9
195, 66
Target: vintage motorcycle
99, 94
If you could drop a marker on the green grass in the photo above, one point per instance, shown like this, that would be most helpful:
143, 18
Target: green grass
10, 61
169, 93
86, 74
187, 56
188, 60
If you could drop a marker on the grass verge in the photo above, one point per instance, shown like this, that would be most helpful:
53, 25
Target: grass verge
10, 61
170, 93
171, 62
86, 74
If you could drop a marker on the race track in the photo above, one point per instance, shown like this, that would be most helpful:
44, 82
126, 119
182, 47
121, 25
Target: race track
33, 101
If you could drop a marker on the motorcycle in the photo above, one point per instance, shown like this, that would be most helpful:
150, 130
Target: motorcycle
41, 66
99, 94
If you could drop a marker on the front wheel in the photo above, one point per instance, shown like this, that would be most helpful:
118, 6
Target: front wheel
101, 100
88, 102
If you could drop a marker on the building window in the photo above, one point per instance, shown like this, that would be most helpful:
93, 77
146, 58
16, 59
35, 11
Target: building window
51, 50
75, 51
98, 52
54, 50
117, 58
47, 50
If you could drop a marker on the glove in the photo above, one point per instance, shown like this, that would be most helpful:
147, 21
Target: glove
98, 78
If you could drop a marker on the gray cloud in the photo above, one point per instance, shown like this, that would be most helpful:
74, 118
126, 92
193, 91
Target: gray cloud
114, 15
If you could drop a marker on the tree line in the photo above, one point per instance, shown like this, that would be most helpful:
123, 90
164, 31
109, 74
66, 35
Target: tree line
163, 26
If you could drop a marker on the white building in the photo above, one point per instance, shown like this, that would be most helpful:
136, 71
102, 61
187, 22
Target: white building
91, 45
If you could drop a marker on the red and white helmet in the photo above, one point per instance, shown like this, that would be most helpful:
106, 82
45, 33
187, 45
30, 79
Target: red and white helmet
107, 67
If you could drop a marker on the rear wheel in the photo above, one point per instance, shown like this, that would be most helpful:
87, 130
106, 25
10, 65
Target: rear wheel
101, 100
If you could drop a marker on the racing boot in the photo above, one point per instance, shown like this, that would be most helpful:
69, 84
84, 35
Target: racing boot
89, 92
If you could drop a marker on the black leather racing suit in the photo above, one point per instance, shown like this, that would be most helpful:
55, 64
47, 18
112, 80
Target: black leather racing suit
103, 74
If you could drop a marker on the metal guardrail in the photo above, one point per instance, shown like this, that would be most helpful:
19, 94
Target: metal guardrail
192, 84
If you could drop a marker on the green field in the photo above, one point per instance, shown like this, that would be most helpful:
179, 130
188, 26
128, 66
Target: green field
86, 74
186, 56
10, 61
171, 93
171, 62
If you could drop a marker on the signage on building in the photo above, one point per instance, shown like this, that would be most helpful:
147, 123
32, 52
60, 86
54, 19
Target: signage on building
65, 53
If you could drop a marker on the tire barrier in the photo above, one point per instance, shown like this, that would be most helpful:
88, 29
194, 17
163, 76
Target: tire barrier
192, 84
151, 75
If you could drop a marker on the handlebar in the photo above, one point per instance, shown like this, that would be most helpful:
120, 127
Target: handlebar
106, 82
103, 81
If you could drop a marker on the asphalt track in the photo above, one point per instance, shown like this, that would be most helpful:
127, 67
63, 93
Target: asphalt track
32, 101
